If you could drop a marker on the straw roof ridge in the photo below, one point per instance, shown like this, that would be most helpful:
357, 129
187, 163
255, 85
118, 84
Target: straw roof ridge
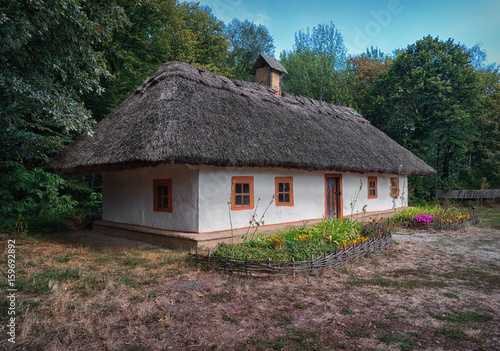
188, 115
244, 88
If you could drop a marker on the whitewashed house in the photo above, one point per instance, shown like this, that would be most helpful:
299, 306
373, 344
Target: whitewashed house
191, 155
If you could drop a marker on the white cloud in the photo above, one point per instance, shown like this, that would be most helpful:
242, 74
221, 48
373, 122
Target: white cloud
259, 18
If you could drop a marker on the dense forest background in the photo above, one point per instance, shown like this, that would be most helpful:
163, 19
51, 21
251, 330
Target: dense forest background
65, 64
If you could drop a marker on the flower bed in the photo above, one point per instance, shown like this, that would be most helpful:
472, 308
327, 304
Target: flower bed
433, 217
301, 242
302, 250
271, 268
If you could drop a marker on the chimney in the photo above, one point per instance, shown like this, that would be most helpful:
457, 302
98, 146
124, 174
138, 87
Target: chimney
267, 72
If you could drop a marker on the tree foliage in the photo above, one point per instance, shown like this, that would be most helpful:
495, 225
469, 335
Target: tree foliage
247, 41
32, 193
429, 102
487, 150
48, 60
157, 31
64, 63
317, 65
364, 70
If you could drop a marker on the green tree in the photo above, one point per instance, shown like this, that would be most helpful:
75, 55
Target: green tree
317, 65
429, 102
63, 62
487, 149
157, 31
364, 70
247, 41
48, 60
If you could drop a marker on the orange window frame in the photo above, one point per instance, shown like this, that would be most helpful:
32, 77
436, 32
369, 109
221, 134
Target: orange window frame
239, 193
394, 187
284, 191
160, 195
374, 194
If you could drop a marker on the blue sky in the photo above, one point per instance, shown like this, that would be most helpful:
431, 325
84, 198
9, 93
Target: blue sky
386, 24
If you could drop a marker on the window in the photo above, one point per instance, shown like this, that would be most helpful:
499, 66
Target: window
162, 195
241, 193
284, 191
394, 187
372, 187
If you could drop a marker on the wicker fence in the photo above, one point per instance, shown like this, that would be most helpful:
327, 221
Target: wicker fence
269, 268
441, 224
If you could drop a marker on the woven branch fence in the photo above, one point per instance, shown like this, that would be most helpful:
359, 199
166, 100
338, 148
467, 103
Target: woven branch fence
270, 268
441, 224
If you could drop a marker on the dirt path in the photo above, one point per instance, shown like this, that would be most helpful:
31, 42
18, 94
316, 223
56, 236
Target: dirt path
478, 242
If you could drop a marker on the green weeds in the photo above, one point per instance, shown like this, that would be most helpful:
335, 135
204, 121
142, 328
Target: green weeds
474, 276
398, 284
64, 258
451, 295
457, 320
43, 282
346, 311
294, 340
406, 342
358, 334
462, 317
134, 261
228, 318
453, 333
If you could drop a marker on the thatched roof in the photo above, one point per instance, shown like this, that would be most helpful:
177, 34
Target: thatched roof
188, 115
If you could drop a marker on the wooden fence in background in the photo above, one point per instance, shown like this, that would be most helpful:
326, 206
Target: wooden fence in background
469, 194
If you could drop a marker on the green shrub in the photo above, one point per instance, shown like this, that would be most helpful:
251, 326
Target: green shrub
32, 193
44, 225
40, 200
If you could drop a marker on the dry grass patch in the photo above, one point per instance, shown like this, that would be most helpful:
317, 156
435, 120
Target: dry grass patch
407, 297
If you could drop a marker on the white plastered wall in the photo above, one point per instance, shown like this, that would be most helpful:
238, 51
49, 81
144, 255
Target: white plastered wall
201, 195
357, 201
308, 192
128, 197
215, 193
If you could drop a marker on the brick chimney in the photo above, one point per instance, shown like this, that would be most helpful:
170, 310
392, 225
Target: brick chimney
268, 72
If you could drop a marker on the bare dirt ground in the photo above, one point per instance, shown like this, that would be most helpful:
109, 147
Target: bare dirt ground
480, 242
428, 291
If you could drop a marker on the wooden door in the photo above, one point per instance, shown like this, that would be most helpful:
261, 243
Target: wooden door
333, 197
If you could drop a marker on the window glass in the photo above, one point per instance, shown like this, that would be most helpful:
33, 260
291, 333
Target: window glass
246, 200
238, 201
